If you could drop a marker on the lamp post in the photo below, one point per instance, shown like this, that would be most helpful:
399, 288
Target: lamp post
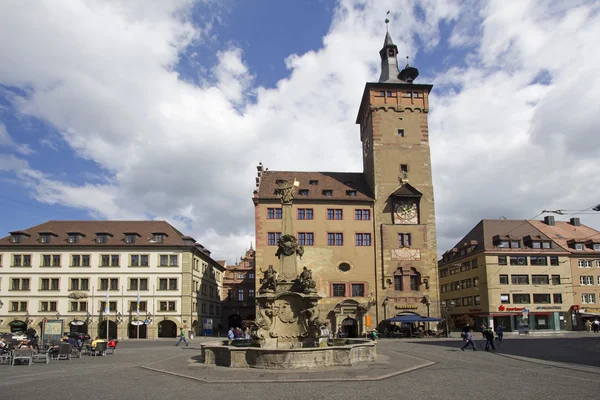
446, 309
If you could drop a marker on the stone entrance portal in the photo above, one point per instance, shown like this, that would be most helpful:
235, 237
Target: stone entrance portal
350, 328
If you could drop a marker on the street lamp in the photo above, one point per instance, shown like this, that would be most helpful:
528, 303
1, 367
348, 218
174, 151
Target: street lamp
446, 309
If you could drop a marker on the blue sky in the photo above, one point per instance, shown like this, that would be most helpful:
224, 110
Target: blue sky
155, 110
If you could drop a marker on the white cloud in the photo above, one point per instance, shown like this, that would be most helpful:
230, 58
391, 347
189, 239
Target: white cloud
102, 74
7, 141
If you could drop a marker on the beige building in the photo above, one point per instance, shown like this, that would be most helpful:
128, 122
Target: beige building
505, 270
369, 238
583, 245
68, 270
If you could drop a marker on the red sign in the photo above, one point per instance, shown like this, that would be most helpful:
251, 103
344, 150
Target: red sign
501, 308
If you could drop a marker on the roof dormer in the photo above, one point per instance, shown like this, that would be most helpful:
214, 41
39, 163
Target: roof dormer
158, 237
74, 237
46, 237
103, 237
131, 237
18, 236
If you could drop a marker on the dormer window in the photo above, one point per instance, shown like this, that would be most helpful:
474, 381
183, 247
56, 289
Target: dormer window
504, 244
130, 239
44, 238
303, 192
73, 238
579, 246
313, 182
101, 238
16, 238
328, 192
596, 247
351, 193
158, 237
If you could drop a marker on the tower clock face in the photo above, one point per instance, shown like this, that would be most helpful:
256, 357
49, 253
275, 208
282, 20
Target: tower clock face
366, 147
406, 212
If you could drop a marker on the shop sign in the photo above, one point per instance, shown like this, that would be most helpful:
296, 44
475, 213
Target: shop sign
547, 308
407, 307
592, 310
521, 309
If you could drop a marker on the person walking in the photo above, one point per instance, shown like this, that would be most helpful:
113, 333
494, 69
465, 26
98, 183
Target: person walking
588, 325
469, 340
182, 338
596, 326
500, 332
489, 339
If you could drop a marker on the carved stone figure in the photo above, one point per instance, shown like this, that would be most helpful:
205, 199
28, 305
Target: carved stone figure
288, 245
78, 295
306, 281
285, 191
264, 319
269, 281
313, 322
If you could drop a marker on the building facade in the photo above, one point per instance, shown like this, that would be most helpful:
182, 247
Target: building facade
138, 279
583, 245
369, 238
512, 272
239, 290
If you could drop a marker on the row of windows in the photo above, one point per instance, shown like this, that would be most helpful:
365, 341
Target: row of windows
525, 298
240, 294
588, 263
332, 214
464, 266
516, 244
212, 309
345, 289
100, 238
588, 280
458, 285
104, 260
83, 284
333, 239
535, 279
78, 306
467, 301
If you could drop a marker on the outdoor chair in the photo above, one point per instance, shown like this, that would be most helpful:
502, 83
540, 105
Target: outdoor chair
76, 351
111, 349
64, 352
22, 354
5, 356
85, 347
41, 354
100, 349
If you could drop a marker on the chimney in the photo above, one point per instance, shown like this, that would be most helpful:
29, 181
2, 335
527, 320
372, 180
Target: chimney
575, 222
549, 220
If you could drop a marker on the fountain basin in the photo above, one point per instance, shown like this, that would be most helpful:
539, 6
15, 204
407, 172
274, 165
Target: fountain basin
353, 352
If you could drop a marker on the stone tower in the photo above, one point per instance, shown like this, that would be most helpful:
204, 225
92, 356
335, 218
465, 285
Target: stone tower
397, 167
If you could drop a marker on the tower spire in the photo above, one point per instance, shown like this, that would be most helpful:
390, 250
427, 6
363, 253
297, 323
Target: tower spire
389, 62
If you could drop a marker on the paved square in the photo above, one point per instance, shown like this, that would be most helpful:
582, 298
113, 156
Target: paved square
535, 368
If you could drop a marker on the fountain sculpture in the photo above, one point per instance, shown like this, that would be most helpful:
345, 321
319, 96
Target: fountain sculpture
291, 334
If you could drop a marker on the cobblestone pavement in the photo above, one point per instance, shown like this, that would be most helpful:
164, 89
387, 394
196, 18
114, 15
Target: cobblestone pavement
535, 368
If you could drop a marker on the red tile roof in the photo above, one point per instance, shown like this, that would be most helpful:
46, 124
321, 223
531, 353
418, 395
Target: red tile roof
340, 183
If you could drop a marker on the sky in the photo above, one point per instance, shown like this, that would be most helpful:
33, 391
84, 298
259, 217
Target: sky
162, 109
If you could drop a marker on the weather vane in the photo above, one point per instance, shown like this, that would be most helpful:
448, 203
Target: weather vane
387, 20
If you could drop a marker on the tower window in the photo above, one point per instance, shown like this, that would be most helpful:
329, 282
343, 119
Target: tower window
403, 167
415, 94
400, 132
391, 53
381, 93
389, 93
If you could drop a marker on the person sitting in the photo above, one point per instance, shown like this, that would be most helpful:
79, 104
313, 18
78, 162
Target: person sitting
230, 334
112, 343
96, 341
25, 344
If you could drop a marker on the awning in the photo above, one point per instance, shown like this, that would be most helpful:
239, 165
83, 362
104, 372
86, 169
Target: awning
412, 318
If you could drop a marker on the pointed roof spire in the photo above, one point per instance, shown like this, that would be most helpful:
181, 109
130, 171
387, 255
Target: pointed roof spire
388, 40
389, 63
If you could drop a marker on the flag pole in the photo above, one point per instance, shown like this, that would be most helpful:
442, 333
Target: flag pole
137, 311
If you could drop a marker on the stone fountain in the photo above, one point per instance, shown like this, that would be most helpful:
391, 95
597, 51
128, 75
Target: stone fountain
290, 332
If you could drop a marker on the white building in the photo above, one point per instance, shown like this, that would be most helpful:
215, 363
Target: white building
66, 270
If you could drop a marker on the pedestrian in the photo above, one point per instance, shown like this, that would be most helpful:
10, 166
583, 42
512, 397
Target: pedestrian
500, 332
469, 340
340, 334
247, 333
182, 338
489, 339
588, 325
483, 329
596, 326
465, 330
230, 334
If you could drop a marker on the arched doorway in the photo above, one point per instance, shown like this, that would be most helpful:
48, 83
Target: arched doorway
234, 321
350, 327
137, 331
18, 326
196, 328
167, 328
78, 326
112, 329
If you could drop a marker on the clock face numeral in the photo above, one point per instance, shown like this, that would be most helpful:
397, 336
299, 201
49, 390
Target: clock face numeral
406, 213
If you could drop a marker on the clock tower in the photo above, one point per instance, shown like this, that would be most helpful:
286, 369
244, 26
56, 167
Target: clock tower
397, 167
